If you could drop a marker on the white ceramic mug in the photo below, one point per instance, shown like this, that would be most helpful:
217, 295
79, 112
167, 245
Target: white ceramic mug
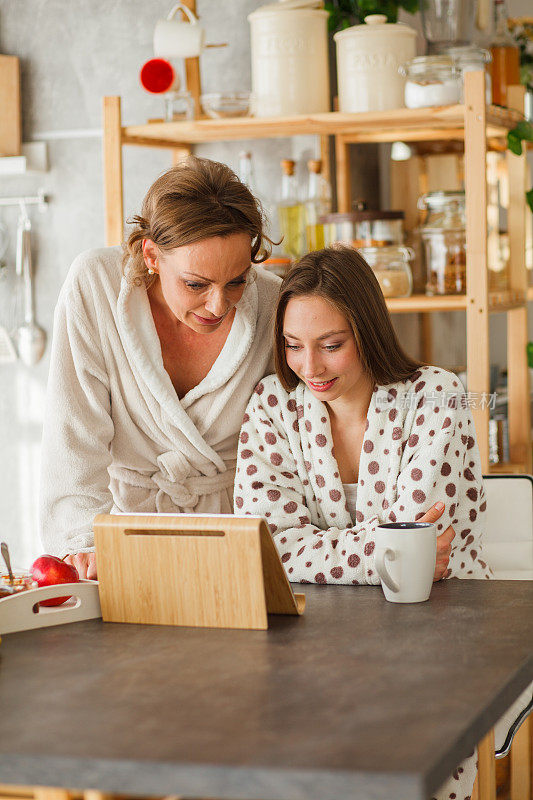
178, 38
405, 557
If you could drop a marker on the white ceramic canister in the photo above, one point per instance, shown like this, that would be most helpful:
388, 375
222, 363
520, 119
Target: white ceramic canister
368, 58
290, 73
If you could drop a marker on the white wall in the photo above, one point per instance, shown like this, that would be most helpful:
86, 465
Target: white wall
72, 53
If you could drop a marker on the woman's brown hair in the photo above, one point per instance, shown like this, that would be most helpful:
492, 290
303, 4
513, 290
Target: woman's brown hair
341, 276
194, 200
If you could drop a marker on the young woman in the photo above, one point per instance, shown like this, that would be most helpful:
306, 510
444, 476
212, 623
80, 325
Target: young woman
351, 433
156, 351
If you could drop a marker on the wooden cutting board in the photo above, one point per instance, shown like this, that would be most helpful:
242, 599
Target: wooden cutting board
214, 570
10, 122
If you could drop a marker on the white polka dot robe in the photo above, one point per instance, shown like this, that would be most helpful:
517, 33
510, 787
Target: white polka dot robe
419, 447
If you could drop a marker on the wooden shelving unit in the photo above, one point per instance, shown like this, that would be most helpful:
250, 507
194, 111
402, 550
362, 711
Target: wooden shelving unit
480, 128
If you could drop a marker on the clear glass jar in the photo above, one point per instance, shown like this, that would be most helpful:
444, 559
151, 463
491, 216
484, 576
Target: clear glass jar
364, 228
444, 237
178, 106
392, 268
431, 81
470, 58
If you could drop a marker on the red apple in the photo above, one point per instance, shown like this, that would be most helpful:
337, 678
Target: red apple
49, 571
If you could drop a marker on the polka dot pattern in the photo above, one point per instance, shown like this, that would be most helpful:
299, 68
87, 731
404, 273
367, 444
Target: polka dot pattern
412, 455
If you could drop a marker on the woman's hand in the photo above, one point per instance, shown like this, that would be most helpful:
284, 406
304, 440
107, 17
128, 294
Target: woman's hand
444, 541
85, 563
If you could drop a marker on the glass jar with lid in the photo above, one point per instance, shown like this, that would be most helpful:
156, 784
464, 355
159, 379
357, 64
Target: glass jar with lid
392, 268
364, 228
444, 237
431, 81
469, 58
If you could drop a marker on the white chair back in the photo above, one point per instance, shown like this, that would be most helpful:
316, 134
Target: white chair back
508, 536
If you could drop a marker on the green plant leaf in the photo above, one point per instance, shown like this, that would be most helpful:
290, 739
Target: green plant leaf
411, 6
529, 198
524, 130
344, 13
514, 143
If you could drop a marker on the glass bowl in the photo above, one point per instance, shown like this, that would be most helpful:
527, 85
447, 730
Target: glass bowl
226, 104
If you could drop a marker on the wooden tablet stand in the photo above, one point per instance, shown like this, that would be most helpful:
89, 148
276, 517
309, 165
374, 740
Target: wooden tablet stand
214, 571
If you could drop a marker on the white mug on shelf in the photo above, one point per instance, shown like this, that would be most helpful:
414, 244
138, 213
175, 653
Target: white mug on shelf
178, 38
405, 557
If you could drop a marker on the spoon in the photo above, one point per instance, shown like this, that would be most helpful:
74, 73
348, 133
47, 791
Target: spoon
5, 554
30, 337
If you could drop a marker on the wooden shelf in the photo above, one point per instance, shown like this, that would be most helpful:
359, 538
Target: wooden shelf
408, 124
506, 301
507, 468
471, 128
421, 303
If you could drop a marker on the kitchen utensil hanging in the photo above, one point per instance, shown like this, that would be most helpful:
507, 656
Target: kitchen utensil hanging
30, 338
7, 351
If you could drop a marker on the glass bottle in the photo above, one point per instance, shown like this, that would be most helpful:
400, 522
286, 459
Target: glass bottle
291, 212
505, 66
246, 175
245, 171
317, 204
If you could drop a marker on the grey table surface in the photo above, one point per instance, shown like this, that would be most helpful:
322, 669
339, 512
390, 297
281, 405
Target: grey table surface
358, 699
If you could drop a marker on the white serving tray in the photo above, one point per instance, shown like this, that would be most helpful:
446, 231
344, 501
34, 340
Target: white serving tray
21, 612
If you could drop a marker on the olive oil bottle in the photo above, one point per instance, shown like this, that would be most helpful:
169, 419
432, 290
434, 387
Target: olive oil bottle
317, 204
291, 212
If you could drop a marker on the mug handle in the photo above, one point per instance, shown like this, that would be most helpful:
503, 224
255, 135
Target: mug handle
187, 11
379, 561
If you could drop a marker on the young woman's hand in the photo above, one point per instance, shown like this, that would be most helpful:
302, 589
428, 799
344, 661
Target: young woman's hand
85, 563
444, 541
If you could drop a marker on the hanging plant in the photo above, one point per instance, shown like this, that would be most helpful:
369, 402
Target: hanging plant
345, 13
523, 132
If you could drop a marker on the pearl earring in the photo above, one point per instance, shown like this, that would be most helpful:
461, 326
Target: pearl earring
151, 271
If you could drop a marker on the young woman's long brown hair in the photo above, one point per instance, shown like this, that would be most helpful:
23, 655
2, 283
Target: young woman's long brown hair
341, 276
196, 199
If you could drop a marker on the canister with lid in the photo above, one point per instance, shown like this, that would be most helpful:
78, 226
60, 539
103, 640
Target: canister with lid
364, 228
290, 71
431, 81
391, 266
368, 59
444, 236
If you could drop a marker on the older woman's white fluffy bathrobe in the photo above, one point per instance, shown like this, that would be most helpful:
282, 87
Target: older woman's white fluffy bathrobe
419, 447
116, 436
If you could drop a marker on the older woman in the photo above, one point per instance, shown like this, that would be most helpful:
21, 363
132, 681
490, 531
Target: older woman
155, 353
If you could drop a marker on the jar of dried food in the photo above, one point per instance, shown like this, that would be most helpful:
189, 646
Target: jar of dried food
431, 81
444, 236
392, 268
364, 228
279, 265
